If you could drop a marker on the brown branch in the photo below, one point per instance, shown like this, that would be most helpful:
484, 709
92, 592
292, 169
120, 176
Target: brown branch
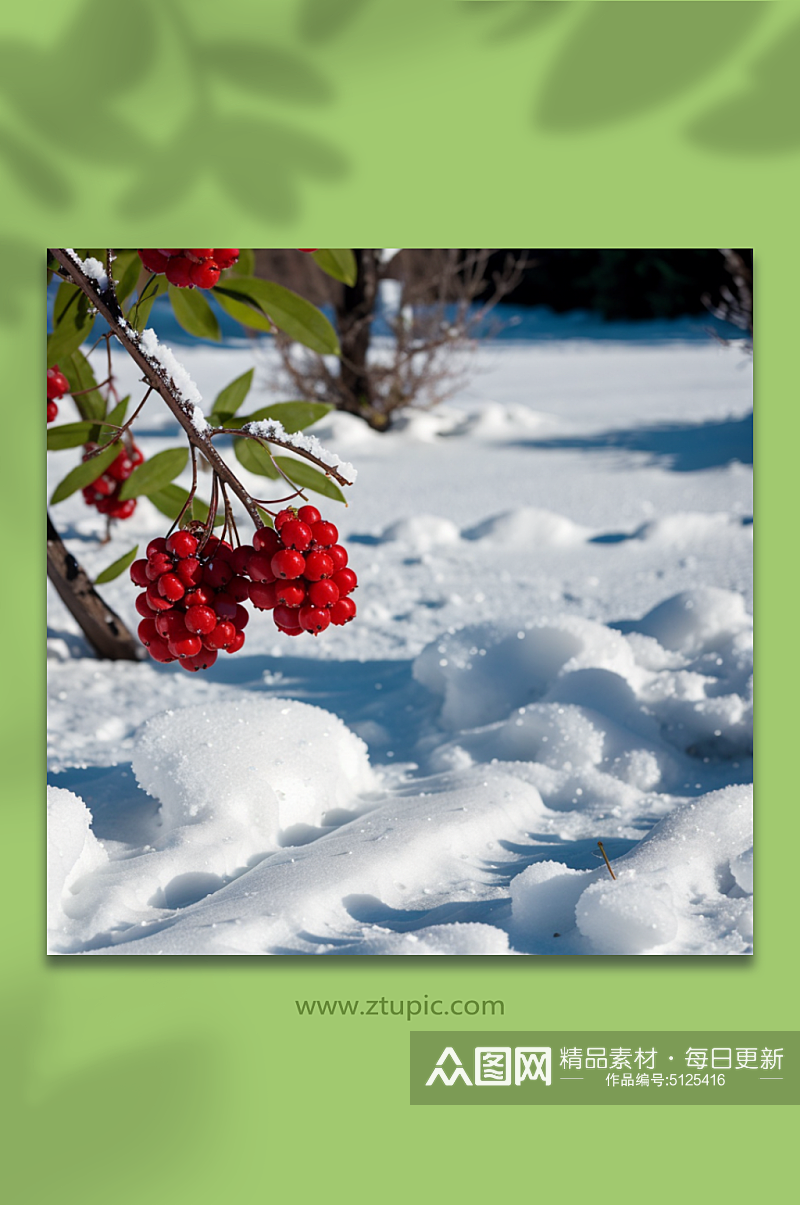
328, 469
107, 305
103, 628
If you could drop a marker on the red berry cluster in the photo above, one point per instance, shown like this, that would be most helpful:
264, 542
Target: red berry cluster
190, 269
192, 608
104, 490
299, 572
57, 386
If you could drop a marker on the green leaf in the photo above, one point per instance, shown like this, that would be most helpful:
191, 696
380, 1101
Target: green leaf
293, 416
127, 269
341, 265
255, 458
267, 519
71, 331
245, 264
240, 308
139, 311
73, 435
66, 296
172, 499
117, 567
289, 312
84, 474
78, 371
229, 399
69, 435
194, 313
155, 473
308, 478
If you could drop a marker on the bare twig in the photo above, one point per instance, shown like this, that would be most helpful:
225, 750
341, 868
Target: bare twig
605, 859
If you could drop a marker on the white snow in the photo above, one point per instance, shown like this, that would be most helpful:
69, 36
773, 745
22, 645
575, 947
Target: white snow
553, 648
272, 429
92, 268
176, 374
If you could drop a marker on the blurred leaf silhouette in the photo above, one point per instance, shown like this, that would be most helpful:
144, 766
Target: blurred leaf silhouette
762, 119
269, 72
259, 158
320, 20
521, 17
22, 263
622, 59
102, 1112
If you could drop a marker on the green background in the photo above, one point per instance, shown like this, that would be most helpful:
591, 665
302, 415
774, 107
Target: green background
364, 123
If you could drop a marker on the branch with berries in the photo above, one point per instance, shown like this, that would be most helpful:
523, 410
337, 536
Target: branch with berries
195, 583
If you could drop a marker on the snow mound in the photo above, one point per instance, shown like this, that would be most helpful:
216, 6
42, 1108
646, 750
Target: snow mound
680, 883
457, 938
681, 678
529, 527
259, 765
73, 852
686, 527
696, 621
421, 533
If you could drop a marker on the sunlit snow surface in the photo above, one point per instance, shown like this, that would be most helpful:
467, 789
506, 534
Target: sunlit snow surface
553, 647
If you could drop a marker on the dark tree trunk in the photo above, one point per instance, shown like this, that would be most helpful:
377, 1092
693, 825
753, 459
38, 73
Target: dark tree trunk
104, 630
354, 315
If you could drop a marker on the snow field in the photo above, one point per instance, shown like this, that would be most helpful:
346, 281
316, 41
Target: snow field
553, 647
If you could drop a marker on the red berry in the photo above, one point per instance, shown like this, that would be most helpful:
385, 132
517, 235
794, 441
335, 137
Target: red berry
159, 544
236, 643
201, 596
138, 572
143, 606
238, 588
288, 564
147, 631
182, 544
318, 565
290, 631
154, 261
206, 275
259, 567
283, 516
206, 253
266, 540
225, 606
201, 620
185, 646
291, 593
170, 251
158, 564
346, 580
308, 250
157, 601
159, 651
179, 272
309, 514
190, 571
170, 586
314, 619
296, 534
342, 611
225, 257
222, 635
136, 456
323, 593
202, 660
104, 486
238, 562
325, 534
287, 618
172, 626
262, 595
338, 555
224, 551
122, 510
52, 412
217, 573
57, 383
241, 618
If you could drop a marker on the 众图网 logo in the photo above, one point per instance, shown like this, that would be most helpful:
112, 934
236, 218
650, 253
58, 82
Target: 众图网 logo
494, 1066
